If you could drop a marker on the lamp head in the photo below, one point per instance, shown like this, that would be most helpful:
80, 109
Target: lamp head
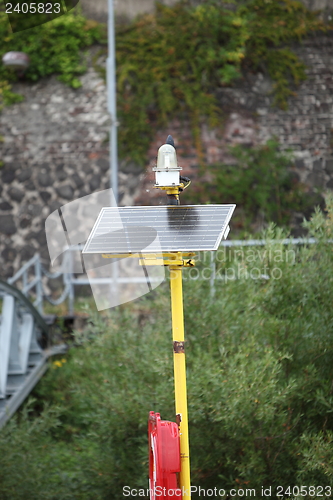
167, 169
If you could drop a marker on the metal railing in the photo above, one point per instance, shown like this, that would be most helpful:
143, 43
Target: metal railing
24, 342
36, 282
70, 280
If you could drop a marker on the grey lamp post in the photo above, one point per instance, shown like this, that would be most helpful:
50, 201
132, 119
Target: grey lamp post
112, 108
112, 104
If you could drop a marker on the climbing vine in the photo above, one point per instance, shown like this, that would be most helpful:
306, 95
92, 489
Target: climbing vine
170, 62
173, 62
54, 47
273, 27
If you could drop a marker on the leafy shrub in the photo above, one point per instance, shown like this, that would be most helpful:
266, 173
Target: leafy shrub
53, 47
259, 363
260, 181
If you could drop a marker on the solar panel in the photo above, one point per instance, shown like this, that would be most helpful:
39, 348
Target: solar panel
182, 228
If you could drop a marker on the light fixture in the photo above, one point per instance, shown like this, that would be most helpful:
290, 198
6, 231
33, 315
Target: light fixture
18, 61
167, 172
167, 169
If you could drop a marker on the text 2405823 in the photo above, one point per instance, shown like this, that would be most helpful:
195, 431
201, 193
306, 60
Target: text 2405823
33, 8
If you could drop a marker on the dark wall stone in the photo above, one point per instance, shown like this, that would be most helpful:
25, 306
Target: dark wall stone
34, 210
7, 176
95, 183
103, 164
16, 194
8, 271
30, 186
5, 206
77, 180
27, 252
9, 254
45, 195
7, 224
329, 166
39, 236
316, 179
65, 192
61, 175
44, 179
25, 222
24, 175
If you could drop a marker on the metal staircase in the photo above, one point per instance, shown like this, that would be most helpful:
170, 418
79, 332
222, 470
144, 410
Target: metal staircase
24, 349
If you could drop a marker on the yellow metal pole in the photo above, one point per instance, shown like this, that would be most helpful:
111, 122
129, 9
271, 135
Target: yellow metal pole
180, 375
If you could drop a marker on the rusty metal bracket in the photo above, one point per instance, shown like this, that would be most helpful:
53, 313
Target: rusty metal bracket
179, 347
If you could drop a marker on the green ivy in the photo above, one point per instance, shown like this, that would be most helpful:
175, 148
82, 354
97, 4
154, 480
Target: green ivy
53, 47
172, 63
273, 27
169, 63
6, 94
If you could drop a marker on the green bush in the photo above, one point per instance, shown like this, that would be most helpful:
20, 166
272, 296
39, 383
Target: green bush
54, 48
261, 182
259, 367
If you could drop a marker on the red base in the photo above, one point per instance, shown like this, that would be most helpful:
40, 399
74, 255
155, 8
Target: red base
164, 458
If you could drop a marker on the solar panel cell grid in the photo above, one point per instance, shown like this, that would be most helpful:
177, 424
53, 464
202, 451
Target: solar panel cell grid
166, 229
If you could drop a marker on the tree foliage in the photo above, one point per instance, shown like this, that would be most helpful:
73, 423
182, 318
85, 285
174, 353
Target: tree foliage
261, 181
259, 369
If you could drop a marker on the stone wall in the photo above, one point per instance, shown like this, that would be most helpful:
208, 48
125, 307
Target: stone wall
55, 146
250, 118
54, 150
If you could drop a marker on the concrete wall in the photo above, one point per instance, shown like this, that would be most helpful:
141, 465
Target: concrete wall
128, 9
124, 9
